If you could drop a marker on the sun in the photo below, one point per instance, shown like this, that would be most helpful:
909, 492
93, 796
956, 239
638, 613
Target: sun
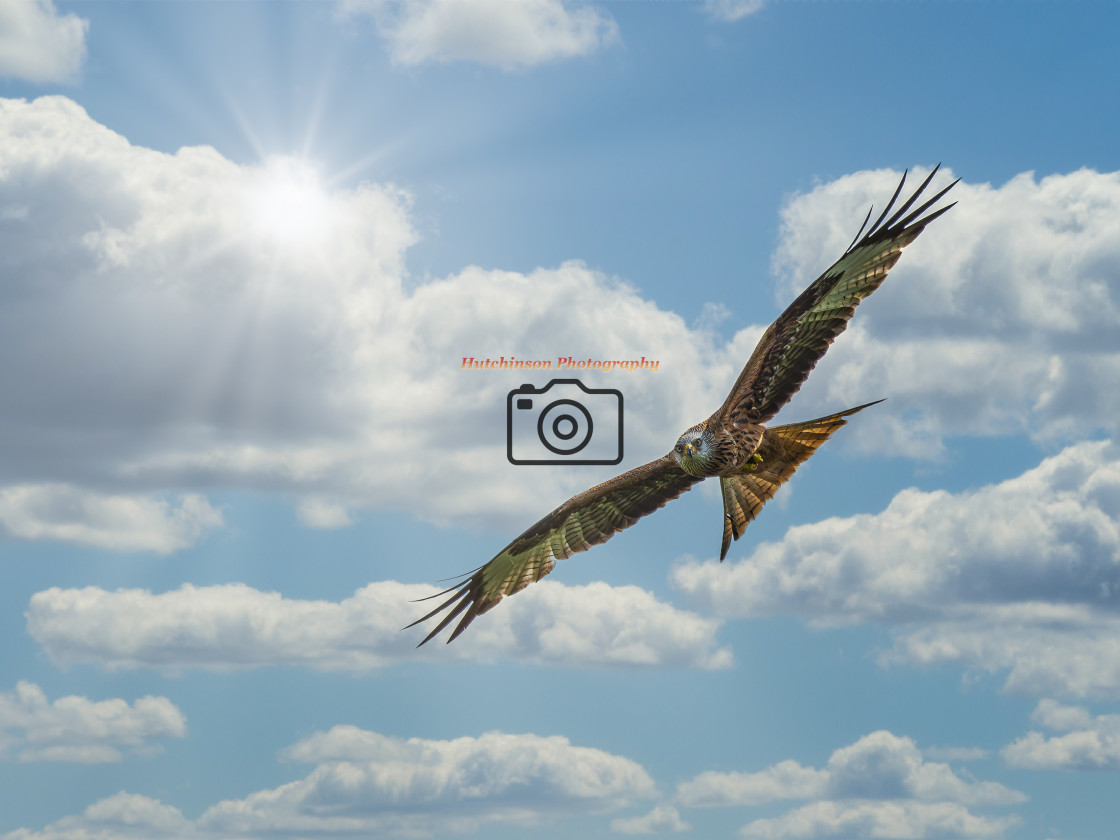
288, 202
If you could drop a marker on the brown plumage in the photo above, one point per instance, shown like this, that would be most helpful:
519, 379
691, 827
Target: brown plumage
751, 460
782, 450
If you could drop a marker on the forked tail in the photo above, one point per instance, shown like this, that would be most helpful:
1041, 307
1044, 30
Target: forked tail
783, 450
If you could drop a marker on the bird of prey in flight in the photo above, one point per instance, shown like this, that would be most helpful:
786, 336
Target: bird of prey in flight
750, 458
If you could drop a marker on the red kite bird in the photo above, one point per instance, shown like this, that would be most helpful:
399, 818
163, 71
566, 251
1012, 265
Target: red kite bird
750, 459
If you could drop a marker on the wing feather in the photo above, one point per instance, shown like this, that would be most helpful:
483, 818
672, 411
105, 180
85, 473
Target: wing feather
795, 342
589, 519
783, 450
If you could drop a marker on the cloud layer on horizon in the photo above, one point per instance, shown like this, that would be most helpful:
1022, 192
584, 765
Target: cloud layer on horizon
366, 782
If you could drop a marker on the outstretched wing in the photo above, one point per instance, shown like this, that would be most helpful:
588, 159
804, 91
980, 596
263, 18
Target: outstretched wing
794, 343
783, 450
588, 519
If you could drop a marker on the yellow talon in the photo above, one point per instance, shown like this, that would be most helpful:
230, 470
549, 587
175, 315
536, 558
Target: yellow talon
752, 463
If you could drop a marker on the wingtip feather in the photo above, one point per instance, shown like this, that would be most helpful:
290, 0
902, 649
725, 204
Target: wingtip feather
899, 222
464, 601
890, 204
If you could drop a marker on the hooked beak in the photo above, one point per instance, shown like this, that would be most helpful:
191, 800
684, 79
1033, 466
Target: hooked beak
689, 449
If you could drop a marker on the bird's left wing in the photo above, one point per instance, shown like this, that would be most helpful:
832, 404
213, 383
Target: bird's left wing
794, 343
588, 519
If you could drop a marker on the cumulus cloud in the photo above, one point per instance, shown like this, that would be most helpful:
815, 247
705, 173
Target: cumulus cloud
234, 626
878, 766
1049, 534
378, 784
38, 44
785, 780
1000, 320
884, 766
880, 786
1021, 575
122, 522
123, 816
903, 820
77, 729
370, 784
1045, 648
221, 325
510, 34
1089, 743
662, 819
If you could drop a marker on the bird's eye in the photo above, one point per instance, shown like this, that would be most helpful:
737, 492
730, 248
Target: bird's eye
680, 448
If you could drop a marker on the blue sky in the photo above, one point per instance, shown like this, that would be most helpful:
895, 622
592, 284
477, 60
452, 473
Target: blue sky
243, 249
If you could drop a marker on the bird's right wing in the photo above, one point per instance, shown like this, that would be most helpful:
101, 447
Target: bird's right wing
783, 450
795, 342
588, 519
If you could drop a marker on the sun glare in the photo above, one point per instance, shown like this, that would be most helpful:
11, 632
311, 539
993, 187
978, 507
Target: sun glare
289, 204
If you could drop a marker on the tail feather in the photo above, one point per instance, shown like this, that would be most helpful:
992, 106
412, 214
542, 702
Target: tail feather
783, 449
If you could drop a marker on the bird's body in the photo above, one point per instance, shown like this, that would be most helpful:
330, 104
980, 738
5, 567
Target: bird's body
735, 444
712, 448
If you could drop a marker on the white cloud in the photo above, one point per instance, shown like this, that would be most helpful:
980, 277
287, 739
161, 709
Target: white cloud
323, 513
880, 786
1046, 648
1090, 743
732, 10
1024, 574
1001, 320
662, 819
1054, 715
369, 783
234, 626
884, 766
364, 782
785, 780
123, 816
200, 341
509, 34
77, 729
1048, 534
901, 820
120, 817
38, 44
877, 766
119, 522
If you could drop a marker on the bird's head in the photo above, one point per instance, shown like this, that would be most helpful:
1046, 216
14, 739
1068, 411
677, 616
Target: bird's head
693, 452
